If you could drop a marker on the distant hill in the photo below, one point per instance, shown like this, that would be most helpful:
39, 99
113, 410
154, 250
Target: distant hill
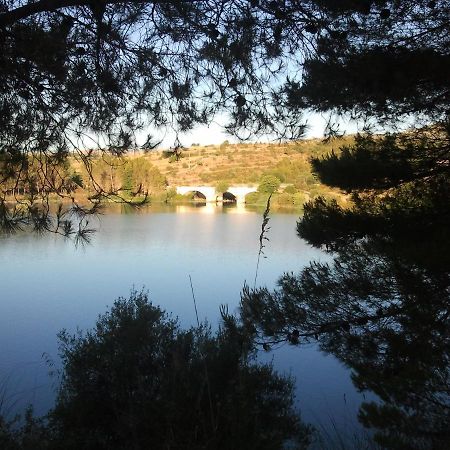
159, 172
246, 163
242, 163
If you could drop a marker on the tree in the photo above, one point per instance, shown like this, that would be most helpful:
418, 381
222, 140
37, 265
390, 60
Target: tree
384, 317
381, 305
379, 59
83, 77
136, 380
140, 177
268, 184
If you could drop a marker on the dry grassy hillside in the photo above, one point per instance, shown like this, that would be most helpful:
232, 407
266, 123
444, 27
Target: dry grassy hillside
158, 172
241, 163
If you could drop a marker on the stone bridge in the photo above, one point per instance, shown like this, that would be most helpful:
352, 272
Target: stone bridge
233, 193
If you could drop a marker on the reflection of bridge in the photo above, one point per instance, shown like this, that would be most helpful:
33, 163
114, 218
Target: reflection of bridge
233, 193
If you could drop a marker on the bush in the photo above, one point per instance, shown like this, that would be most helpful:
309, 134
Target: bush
138, 381
285, 199
222, 186
300, 198
224, 145
171, 193
256, 198
268, 184
252, 198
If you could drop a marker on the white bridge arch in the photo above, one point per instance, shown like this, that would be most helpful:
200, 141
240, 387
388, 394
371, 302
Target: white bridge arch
211, 195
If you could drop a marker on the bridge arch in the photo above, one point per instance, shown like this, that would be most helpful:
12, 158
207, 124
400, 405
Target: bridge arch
210, 194
196, 195
207, 193
228, 197
240, 192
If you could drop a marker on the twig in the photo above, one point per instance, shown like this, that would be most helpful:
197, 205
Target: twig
195, 303
262, 236
208, 386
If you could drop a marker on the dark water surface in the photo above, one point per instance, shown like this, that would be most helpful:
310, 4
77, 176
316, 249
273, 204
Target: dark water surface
47, 284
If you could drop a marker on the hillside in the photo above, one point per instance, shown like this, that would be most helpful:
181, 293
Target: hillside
230, 164
242, 163
159, 172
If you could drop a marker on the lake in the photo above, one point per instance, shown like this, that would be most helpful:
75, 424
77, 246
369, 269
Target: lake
48, 284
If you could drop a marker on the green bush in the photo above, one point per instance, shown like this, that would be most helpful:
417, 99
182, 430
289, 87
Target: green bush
256, 198
222, 186
137, 380
171, 193
300, 198
268, 184
285, 199
252, 198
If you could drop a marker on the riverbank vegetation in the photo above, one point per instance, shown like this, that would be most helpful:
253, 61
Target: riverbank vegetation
153, 176
137, 380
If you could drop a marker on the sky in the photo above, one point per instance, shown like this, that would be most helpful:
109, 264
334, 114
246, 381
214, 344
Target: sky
214, 134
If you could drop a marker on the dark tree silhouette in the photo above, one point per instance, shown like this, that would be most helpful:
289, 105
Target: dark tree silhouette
136, 380
382, 305
80, 75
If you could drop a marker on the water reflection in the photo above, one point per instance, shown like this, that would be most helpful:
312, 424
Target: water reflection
47, 284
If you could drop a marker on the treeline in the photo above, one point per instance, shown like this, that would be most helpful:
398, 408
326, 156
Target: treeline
149, 176
129, 176
37, 176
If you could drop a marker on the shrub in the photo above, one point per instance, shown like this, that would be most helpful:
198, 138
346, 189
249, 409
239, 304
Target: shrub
170, 194
268, 184
222, 186
300, 198
252, 198
285, 199
138, 381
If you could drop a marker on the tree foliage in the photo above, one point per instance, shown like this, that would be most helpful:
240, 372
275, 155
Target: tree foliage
136, 380
80, 75
268, 184
381, 304
383, 60
383, 316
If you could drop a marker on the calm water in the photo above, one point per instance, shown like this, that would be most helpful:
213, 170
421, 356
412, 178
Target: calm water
47, 284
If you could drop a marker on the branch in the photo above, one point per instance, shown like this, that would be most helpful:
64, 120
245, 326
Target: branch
13, 16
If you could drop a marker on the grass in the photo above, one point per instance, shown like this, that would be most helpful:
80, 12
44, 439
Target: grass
236, 162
